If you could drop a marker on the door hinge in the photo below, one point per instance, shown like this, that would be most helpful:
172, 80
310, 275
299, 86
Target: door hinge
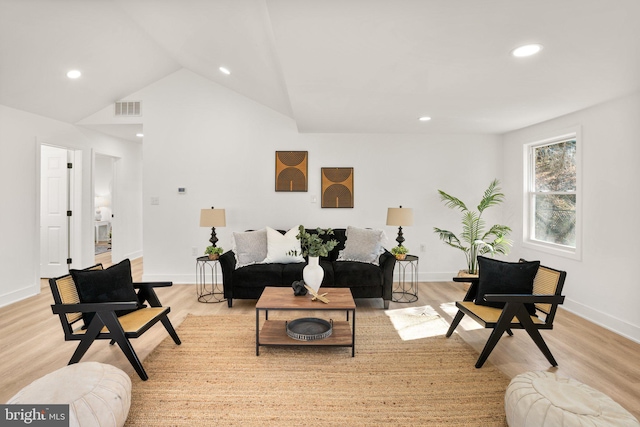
69, 165
69, 261
69, 213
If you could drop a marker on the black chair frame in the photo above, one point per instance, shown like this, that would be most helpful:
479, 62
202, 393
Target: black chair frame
106, 324
514, 315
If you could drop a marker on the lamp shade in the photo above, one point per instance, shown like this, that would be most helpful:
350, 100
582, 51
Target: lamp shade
212, 218
400, 216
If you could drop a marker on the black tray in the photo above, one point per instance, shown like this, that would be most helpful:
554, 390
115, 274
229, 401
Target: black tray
309, 329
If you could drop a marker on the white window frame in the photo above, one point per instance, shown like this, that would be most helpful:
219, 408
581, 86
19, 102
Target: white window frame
528, 197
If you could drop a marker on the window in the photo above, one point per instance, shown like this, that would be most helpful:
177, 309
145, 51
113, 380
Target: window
552, 214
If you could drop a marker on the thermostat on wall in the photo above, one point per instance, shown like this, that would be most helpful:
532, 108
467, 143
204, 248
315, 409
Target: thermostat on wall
182, 190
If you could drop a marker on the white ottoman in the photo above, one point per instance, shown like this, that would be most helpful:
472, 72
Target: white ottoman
97, 394
543, 399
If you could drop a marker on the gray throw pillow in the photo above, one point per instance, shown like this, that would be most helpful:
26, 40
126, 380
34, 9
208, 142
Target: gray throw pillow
250, 247
363, 245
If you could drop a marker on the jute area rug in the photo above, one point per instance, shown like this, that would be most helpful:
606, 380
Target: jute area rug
215, 378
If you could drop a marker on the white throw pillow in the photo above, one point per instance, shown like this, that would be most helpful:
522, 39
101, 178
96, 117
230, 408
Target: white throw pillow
250, 247
363, 245
279, 247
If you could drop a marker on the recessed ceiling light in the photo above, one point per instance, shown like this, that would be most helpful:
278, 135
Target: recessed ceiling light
526, 50
139, 135
74, 74
224, 70
424, 118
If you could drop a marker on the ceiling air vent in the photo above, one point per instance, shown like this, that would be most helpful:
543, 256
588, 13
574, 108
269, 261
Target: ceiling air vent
128, 108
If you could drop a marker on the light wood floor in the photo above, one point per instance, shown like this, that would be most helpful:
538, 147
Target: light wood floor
32, 342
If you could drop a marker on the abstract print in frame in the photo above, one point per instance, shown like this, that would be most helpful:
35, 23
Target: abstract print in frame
337, 187
291, 170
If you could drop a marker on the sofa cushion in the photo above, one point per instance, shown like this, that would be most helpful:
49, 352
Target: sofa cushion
283, 249
352, 273
292, 273
258, 275
363, 245
500, 277
250, 247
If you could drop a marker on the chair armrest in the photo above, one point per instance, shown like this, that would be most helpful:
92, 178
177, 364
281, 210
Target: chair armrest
525, 298
472, 292
93, 307
466, 279
139, 285
146, 292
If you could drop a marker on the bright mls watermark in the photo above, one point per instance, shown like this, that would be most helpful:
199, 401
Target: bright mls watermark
34, 415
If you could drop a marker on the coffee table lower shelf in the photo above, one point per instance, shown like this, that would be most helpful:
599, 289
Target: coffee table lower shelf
274, 333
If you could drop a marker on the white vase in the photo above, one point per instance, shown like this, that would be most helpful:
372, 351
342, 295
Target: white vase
313, 273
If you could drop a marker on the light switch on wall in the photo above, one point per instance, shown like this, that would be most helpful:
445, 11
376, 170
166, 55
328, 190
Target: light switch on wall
155, 200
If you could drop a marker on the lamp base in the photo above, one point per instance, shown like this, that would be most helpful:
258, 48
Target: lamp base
214, 238
400, 238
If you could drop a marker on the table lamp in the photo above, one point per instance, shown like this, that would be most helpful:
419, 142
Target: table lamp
399, 216
212, 218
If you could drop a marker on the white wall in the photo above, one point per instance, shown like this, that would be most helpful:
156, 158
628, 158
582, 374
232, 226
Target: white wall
21, 134
221, 146
602, 285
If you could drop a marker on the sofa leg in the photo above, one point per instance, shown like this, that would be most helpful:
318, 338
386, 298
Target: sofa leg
230, 302
386, 304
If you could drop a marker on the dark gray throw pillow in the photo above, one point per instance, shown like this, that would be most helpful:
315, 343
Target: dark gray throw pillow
111, 285
500, 277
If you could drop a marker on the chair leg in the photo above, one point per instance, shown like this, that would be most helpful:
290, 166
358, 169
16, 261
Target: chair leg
169, 327
501, 326
89, 337
510, 332
534, 333
455, 322
115, 329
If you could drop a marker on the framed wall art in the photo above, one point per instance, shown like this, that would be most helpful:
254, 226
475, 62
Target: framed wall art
291, 170
337, 187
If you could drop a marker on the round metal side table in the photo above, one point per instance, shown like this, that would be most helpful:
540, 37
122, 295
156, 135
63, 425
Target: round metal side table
207, 280
406, 290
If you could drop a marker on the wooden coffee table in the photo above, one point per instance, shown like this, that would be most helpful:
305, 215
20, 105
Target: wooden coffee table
274, 333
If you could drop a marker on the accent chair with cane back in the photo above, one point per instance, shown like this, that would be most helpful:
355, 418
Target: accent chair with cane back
506, 296
97, 304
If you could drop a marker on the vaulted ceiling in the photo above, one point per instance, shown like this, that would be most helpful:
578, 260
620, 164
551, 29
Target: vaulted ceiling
339, 66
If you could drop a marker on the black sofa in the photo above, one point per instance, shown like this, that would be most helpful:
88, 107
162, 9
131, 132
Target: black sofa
365, 280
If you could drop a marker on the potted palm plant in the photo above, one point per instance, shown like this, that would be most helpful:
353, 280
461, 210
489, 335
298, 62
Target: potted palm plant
474, 240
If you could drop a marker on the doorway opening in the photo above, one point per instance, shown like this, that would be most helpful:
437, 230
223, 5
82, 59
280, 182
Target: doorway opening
103, 196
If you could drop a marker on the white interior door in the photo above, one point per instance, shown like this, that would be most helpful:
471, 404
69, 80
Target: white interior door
54, 224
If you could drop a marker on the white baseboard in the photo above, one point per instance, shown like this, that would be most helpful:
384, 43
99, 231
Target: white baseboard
133, 255
19, 295
605, 320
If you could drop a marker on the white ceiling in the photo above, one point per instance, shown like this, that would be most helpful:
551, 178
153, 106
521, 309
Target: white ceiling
338, 66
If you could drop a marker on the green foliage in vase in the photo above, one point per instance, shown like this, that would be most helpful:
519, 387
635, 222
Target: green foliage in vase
314, 244
474, 240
